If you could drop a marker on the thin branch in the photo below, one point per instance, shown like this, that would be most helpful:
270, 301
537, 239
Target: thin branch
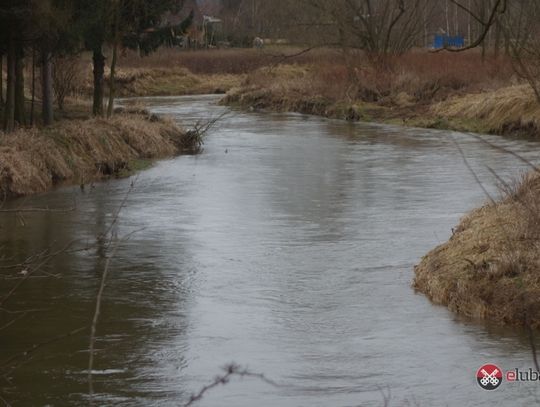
6, 404
99, 297
32, 272
95, 321
7, 325
500, 222
284, 57
37, 210
21, 281
37, 346
487, 27
469, 11
117, 214
533, 347
230, 371
201, 128
505, 150
466, 162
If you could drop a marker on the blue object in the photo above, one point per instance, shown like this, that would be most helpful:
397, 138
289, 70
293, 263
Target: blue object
446, 41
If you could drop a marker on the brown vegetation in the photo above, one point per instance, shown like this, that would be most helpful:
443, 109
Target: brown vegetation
172, 71
511, 109
171, 82
489, 267
233, 61
80, 151
441, 90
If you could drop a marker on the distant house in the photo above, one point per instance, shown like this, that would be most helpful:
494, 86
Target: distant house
194, 36
212, 31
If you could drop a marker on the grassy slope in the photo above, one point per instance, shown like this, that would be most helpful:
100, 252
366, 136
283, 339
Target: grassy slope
83, 150
489, 267
408, 94
172, 81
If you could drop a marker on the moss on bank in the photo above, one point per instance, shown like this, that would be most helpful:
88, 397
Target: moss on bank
490, 267
81, 151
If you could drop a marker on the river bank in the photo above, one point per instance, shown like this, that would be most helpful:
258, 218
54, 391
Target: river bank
489, 267
507, 110
463, 92
80, 151
133, 82
303, 226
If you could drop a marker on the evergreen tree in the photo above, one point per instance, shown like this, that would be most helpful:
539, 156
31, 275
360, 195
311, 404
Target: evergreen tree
123, 23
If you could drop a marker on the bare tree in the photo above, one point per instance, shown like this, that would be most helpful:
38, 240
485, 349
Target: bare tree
518, 22
486, 13
378, 27
521, 28
66, 75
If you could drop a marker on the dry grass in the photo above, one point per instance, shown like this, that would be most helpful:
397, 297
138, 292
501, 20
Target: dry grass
490, 267
422, 76
179, 72
79, 151
232, 61
171, 81
423, 89
508, 109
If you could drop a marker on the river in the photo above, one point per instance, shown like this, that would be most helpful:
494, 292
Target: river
286, 247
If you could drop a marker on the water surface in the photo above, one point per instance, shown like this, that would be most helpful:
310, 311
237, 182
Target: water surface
287, 247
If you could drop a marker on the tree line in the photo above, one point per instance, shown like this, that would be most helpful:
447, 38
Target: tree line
381, 28
35, 31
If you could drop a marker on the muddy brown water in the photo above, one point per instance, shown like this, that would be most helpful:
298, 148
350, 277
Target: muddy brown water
287, 247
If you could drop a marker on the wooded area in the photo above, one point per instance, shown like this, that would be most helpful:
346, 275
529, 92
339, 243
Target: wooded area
35, 32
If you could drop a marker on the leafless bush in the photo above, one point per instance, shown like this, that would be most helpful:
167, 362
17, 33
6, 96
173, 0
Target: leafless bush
67, 77
521, 25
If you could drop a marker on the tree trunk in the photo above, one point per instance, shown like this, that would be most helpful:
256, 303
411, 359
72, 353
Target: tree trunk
497, 43
469, 38
447, 17
110, 106
47, 88
99, 73
456, 20
9, 110
20, 116
1, 79
33, 103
